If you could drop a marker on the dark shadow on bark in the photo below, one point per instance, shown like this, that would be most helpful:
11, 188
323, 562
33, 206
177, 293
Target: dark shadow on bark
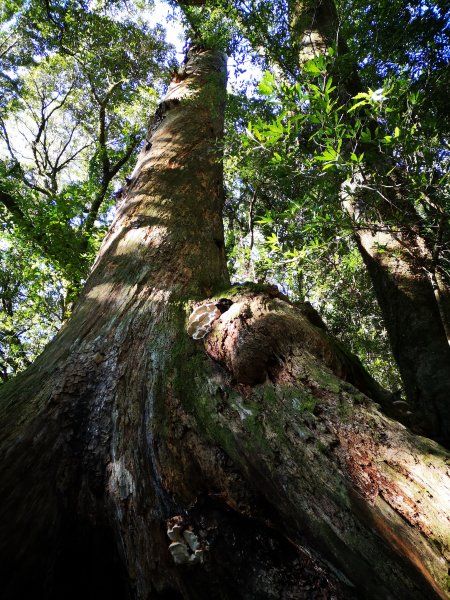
419, 343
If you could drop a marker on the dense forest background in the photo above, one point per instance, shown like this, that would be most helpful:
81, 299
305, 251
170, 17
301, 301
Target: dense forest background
79, 81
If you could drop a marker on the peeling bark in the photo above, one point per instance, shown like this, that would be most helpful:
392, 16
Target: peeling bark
273, 476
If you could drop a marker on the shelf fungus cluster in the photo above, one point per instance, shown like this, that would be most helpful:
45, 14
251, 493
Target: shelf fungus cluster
185, 547
202, 318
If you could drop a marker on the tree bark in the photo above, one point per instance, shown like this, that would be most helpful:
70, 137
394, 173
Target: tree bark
398, 259
80, 421
140, 463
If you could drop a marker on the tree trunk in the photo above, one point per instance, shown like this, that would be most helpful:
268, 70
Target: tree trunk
398, 259
140, 463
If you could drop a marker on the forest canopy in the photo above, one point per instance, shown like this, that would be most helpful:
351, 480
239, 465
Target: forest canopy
80, 79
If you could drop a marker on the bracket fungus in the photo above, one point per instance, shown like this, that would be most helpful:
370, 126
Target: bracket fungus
185, 547
202, 318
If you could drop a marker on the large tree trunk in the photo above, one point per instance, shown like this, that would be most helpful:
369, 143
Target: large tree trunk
138, 462
398, 259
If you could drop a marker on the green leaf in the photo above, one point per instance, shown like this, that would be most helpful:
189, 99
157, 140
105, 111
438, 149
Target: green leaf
361, 95
358, 104
312, 68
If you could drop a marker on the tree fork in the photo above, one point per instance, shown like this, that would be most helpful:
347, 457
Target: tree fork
139, 463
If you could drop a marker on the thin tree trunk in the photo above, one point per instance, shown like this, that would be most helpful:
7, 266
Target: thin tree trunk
398, 259
140, 463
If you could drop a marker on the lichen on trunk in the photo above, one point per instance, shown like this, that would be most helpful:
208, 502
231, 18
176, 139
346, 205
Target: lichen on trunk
81, 419
339, 472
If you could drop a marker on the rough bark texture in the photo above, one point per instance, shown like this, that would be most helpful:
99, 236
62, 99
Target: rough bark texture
398, 259
79, 423
274, 476
338, 471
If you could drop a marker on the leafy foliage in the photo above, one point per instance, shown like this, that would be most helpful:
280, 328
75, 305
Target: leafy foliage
32, 304
286, 224
291, 166
78, 78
